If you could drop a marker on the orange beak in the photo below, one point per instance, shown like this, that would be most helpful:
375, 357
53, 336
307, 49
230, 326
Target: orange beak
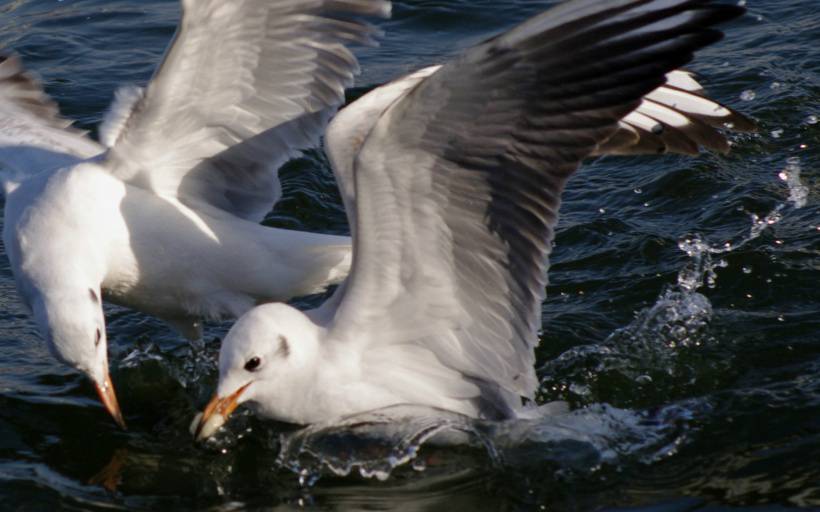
109, 400
216, 414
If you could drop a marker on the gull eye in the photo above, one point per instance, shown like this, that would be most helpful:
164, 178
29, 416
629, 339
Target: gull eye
98, 338
253, 364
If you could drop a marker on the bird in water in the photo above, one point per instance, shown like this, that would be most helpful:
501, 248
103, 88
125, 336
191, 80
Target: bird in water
162, 214
452, 180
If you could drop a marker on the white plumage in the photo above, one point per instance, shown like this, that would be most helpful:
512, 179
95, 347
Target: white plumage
163, 216
451, 179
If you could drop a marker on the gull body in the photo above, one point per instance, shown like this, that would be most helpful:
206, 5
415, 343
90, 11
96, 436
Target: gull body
154, 254
162, 214
452, 180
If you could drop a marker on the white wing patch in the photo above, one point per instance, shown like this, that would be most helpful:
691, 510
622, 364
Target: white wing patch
676, 118
113, 124
33, 135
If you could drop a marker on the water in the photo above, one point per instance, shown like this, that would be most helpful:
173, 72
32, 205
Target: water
681, 325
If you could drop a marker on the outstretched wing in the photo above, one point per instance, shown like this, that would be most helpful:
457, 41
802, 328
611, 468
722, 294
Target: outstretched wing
33, 136
244, 85
677, 117
458, 184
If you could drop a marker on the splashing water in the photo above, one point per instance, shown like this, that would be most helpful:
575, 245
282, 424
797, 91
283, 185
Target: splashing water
702, 268
798, 192
375, 443
187, 363
646, 354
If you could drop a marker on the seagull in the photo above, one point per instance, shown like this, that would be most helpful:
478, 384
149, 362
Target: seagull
452, 181
162, 214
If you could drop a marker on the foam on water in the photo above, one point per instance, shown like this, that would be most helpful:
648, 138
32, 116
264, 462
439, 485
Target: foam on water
572, 443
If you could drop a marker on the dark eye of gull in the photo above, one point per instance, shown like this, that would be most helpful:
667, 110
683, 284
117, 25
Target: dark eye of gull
98, 338
253, 364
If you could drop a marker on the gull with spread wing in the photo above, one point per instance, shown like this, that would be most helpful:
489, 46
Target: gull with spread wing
163, 214
452, 182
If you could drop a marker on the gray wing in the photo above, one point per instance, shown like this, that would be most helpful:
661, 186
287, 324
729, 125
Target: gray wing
677, 117
347, 132
458, 184
33, 136
244, 85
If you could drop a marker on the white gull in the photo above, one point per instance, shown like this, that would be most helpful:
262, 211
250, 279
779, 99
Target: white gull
163, 215
452, 180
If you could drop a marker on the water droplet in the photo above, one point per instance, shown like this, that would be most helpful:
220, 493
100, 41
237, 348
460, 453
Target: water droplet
775, 86
601, 210
777, 133
741, 3
638, 190
781, 318
783, 175
747, 270
748, 95
643, 379
646, 204
419, 464
812, 119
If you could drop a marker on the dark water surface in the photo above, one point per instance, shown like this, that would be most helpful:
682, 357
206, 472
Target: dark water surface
691, 365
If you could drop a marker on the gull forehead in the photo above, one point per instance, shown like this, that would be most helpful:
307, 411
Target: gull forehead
273, 320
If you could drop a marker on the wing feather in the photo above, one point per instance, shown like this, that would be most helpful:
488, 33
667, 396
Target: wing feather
33, 135
676, 118
243, 87
457, 183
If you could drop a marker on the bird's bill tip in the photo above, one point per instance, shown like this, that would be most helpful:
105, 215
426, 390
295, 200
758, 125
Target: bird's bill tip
215, 414
108, 397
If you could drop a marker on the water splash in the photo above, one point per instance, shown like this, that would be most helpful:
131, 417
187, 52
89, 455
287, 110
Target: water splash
187, 363
408, 438
199, 358
646, 354
702, 267
143, 352
798, 192
374, 444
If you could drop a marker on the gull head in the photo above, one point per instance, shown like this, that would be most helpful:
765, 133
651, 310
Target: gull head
73, 326
267, 357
